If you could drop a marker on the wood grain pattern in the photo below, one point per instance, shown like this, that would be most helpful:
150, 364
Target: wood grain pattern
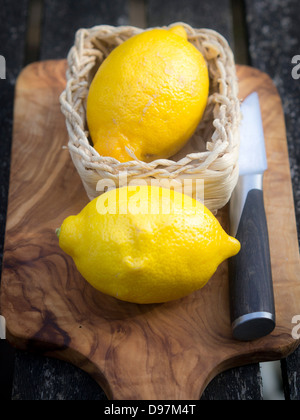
163, 351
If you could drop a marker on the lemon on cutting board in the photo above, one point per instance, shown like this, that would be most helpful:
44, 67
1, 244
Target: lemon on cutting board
148, 95
146, 245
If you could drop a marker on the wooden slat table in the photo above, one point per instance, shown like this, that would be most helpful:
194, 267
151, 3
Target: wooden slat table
273, 39
12, 40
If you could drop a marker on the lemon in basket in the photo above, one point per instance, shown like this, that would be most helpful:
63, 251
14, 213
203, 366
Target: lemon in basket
148, 96
146, 245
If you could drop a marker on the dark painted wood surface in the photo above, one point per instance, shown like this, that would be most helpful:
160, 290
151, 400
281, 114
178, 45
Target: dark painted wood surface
199, 14
13, 16
61, 19
273, 40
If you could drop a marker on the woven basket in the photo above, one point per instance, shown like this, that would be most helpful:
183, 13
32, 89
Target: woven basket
208, 160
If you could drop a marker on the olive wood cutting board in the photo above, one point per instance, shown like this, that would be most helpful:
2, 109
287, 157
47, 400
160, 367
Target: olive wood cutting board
160, 351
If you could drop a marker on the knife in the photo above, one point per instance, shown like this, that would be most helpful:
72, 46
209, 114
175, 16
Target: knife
250, 276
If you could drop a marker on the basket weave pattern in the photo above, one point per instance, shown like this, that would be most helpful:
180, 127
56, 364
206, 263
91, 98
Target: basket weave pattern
210, 155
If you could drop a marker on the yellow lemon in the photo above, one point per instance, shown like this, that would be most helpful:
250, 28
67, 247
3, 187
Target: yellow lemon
148, 95
146, 244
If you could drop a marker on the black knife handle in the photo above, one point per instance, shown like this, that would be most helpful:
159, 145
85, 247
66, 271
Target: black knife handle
250, 274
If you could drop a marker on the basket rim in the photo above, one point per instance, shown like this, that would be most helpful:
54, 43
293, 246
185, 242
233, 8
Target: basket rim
213, 158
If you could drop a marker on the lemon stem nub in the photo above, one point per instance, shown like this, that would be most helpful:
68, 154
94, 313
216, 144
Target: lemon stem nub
57, 231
